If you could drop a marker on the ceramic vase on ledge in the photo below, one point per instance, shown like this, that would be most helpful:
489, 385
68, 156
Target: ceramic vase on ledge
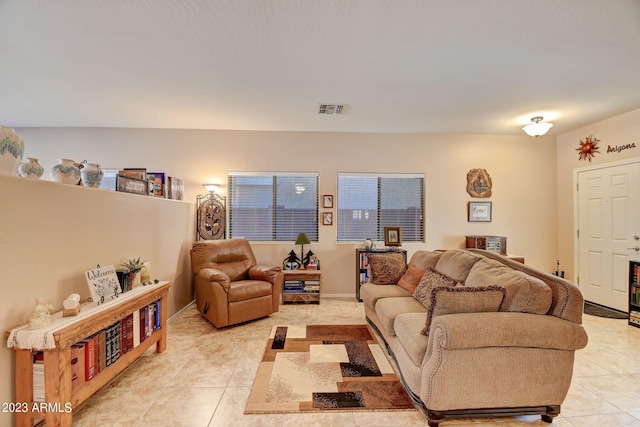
11, 150
91, 175
31, 169
65, 172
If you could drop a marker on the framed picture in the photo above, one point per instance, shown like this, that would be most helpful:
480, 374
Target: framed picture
132, 185
327, 218
393, 236
479, 212
327, 201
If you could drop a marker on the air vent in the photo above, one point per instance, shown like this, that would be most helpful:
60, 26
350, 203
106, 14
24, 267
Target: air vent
330, 109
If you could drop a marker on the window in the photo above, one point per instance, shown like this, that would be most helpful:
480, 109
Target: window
273, 206
369, 202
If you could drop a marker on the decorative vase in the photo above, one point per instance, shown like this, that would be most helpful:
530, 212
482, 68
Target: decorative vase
31, 169
65, 172
368, 244
91, 175
135, 279
11, 150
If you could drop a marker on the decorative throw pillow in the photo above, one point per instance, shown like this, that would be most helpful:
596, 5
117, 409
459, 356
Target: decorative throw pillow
411, 278
430, 280
463, 299
386, 269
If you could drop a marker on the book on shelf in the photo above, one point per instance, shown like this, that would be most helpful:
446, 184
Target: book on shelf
112, 343
102, 350
91, 367
77, 365
38, 376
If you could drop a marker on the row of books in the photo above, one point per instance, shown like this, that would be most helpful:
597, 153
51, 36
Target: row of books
92, 355
635, 294
634, 317
364, 277
311, 286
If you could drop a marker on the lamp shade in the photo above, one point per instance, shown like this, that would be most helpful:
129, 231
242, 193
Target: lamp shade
302, 239
211, 187
537, 128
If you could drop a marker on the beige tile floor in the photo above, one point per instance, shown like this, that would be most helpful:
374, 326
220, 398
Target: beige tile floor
205, 375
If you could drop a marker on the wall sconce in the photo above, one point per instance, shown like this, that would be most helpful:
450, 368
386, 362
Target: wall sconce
211, 188
537, 128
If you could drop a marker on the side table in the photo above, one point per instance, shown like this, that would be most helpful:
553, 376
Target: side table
301, 286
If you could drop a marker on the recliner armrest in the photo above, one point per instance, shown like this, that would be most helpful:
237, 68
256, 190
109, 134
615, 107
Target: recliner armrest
268, 273
213, 275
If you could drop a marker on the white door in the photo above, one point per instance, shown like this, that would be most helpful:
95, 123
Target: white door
608, 232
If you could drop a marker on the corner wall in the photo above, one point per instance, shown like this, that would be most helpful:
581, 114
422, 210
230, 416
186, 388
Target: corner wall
51, 233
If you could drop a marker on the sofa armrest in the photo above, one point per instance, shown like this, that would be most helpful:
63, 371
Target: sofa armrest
505, 329
213, 275
268, 273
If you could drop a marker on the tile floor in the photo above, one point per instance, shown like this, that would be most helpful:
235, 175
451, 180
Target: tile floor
205, 375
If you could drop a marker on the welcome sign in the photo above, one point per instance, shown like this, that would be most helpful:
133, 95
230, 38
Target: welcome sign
103, 284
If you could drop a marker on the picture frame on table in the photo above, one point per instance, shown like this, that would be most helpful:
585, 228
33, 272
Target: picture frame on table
393, 236
479, 212
137, 173
127, 184
327, 201
327, 218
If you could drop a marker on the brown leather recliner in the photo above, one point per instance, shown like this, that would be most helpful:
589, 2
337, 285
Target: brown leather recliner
230, 288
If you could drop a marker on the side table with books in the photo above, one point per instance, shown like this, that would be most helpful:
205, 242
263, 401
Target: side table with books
301, 286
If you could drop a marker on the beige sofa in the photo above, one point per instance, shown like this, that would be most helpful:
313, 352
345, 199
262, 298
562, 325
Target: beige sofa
508, 360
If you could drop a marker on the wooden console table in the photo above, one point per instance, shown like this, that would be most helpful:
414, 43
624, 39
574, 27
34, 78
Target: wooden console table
60, 399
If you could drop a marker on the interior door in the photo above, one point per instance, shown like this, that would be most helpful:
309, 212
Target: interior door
608, 232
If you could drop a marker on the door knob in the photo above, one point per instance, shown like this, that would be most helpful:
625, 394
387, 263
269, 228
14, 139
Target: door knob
635, 248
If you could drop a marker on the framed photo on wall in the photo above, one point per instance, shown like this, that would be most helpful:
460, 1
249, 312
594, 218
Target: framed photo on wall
393, 236
327, 218
327, 201
479, 212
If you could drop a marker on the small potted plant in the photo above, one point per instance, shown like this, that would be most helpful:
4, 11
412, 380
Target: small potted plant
134, 266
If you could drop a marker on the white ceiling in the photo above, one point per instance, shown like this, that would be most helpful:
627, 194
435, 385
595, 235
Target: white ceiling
419, 66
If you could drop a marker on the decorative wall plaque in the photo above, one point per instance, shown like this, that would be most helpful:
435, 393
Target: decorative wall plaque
479, 183
211, 217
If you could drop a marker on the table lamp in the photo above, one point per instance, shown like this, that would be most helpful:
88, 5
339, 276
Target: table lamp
302, 240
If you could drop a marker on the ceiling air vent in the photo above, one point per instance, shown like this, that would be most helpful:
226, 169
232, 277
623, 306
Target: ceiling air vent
330, 109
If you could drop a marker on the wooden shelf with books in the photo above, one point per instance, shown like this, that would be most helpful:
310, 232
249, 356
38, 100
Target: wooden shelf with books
362, 264
301, 286
634, 293
105, 330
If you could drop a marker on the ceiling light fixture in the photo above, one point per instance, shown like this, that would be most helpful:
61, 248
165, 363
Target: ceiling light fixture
537, 128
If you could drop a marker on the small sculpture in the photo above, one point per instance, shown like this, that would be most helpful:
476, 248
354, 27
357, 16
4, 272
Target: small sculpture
41, 316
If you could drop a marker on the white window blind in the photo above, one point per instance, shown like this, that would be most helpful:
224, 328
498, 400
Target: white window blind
273, 206
369, 202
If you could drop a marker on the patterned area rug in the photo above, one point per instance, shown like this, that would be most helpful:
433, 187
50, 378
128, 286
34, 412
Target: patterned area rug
325, 367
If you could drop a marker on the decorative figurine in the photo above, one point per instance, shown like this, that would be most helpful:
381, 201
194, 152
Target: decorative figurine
41, 316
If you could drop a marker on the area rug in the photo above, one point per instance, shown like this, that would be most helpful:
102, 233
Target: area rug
601, 311
311, 368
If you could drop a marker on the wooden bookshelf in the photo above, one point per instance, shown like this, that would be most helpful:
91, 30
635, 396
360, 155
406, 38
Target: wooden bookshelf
61, 400
634, 293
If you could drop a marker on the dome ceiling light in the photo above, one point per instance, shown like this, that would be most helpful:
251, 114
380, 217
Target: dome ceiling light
537, 128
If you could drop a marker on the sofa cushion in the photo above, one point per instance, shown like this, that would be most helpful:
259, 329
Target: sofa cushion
425, 259
371, 293
408, 328
388, 309
430, 280
386, 269
525, 294
456, 264
463, 299
411, 278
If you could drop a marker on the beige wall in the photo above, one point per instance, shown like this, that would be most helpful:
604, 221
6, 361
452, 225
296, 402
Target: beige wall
51, 233
523, 170
617, 131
